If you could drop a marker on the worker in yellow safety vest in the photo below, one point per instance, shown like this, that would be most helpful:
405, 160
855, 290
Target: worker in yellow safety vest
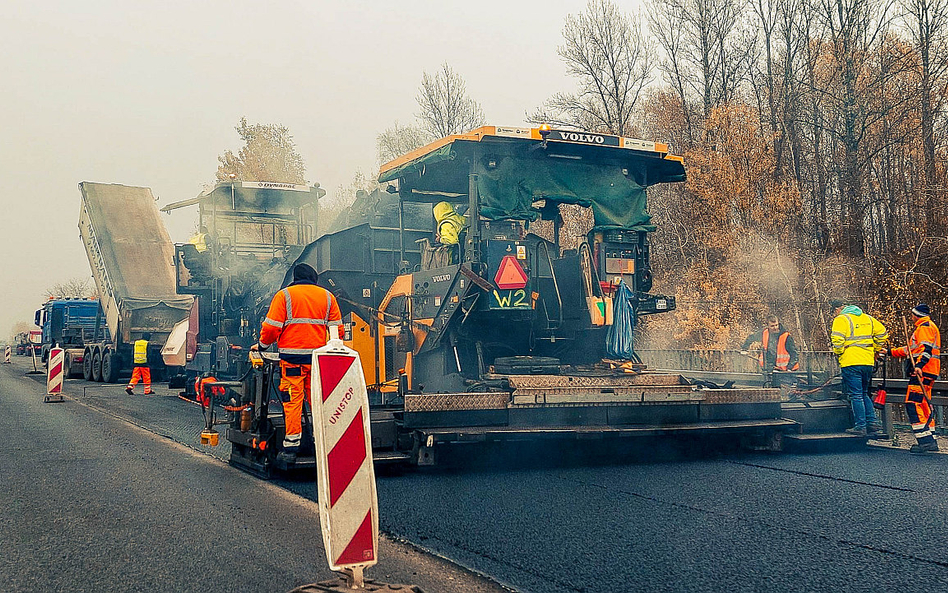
856, 338
302, 317
141, 371
922, 365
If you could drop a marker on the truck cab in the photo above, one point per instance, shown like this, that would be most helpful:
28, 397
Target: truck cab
68, 324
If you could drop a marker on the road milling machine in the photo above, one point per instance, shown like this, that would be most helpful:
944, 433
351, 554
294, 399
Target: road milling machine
503, 337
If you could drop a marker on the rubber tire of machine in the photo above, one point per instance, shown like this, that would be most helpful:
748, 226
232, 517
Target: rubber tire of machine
97, 366
87, 364
111, 364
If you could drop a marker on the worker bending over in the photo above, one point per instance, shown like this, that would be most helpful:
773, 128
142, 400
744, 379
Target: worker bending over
299, 321
922, 366
141, 370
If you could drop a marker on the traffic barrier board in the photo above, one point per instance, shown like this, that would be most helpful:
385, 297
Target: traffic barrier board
348, 501
54, 375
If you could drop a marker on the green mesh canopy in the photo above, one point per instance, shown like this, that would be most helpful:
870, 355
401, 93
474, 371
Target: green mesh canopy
515, 173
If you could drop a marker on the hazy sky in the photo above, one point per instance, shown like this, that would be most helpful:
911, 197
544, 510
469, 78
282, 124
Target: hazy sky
148, 93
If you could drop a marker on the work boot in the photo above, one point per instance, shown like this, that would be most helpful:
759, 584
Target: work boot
129, 391
874, 431
285, 457
856, 431
924, 449
149, 392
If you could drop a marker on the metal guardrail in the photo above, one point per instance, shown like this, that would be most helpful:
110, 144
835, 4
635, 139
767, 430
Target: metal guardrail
817, 366
732, 361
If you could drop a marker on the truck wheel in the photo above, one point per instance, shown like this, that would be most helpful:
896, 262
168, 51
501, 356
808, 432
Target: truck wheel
97, 366
87, 364
111, 364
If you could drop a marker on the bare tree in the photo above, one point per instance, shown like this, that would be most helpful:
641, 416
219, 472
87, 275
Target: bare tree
269, 154
707, 47
74, 288
663, 22
852, 86
445, 107
613, 61
927, 24
397, 140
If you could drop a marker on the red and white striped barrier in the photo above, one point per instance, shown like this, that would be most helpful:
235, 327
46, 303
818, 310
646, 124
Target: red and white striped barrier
348, 501
54, 375
7, 355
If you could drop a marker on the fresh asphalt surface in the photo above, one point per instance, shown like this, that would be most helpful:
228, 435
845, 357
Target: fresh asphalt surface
93, 503
872, 520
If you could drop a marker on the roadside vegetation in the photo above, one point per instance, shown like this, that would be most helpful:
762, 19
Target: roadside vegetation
814, 136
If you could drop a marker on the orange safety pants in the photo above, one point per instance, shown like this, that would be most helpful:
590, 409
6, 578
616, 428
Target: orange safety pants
295, 381
918, 410
143, 374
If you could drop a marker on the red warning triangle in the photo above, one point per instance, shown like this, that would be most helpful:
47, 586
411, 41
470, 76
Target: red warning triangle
509, 274
331, 369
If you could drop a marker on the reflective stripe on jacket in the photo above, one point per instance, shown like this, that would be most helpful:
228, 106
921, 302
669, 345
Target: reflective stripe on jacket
783, 355
925, 346
298, 321
856, 338
141, 352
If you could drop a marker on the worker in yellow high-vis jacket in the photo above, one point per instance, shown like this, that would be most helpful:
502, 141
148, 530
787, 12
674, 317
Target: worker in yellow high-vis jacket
141, 371
450, 226
857, 337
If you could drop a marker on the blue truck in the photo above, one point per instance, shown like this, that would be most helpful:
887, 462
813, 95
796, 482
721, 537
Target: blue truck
68, 324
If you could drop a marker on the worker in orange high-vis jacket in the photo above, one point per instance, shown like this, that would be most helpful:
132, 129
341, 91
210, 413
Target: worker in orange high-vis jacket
302, 317
922, 366
141, 370
778, 351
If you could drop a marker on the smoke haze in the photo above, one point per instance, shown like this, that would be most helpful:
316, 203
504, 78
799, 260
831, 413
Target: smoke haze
148, 93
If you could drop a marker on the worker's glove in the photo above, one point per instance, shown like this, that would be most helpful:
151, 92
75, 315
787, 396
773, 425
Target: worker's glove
744, 352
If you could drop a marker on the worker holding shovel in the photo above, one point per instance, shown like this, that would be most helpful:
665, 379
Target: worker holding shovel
922, 366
